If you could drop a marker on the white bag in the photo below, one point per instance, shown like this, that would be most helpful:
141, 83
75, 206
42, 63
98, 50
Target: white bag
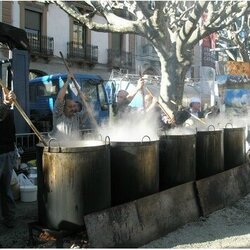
15, 187
24, 180
14, 179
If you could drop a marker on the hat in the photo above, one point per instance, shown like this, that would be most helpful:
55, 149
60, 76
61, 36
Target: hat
195, 99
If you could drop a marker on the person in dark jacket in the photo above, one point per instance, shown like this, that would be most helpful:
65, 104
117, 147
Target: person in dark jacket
165, 122
8, 158
121, 106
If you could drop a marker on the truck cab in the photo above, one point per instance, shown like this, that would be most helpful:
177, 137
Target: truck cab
43, 92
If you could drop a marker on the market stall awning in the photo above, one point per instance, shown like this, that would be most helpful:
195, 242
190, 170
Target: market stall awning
13, 37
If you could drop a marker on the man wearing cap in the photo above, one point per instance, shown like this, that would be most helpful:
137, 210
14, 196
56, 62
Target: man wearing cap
195, 107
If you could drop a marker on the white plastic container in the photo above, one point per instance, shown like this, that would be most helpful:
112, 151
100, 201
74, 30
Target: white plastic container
33, 178
33, 170
28, 193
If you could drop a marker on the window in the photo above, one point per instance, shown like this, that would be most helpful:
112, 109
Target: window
89, 90
48, 88
117, 42
102, 97
79, 33
33, 22
33, 29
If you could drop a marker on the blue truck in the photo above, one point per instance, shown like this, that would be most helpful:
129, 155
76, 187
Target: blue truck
43, 92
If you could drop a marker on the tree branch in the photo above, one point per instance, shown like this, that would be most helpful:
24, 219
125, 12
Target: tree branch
115, 23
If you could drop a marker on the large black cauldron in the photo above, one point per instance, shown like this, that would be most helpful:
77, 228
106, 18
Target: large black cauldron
177, 160
234, 147
73, 180
209, 153
134, 170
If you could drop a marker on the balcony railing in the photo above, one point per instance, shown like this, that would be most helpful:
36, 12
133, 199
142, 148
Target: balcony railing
120, 59
82, 52
42, 45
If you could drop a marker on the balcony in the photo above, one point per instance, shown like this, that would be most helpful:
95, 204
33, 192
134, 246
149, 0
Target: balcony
119, 59
41, 45
82, 53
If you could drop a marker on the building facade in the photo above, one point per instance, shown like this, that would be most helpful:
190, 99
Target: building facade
51, 31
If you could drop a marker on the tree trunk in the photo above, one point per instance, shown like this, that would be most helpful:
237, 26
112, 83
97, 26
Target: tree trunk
172, 80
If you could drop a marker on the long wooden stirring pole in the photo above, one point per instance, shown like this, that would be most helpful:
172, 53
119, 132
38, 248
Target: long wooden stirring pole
195, 117
26, 118
142, 92
162, 108
88, 108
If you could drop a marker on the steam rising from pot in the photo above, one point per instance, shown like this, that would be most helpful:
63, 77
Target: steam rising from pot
132, 128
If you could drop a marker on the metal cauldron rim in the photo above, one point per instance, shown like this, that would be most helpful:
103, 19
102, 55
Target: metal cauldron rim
76, 146
132, 143
176, 135
204, 132
236, 128
146, 140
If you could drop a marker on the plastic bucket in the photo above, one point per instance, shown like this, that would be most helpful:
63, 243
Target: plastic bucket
33, 178
28, 193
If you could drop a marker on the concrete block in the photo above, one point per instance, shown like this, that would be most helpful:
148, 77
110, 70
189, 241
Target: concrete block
114, 227
141, 221
223, 189
166, 211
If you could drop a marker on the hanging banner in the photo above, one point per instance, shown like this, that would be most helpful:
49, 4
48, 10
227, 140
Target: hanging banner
208, 57
207, 43
237, 68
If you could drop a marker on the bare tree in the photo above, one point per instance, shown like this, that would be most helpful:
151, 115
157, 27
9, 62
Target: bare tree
173, 28
237, 35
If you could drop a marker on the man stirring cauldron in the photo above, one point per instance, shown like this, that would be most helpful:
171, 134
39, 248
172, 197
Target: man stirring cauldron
66, 121
121, 107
